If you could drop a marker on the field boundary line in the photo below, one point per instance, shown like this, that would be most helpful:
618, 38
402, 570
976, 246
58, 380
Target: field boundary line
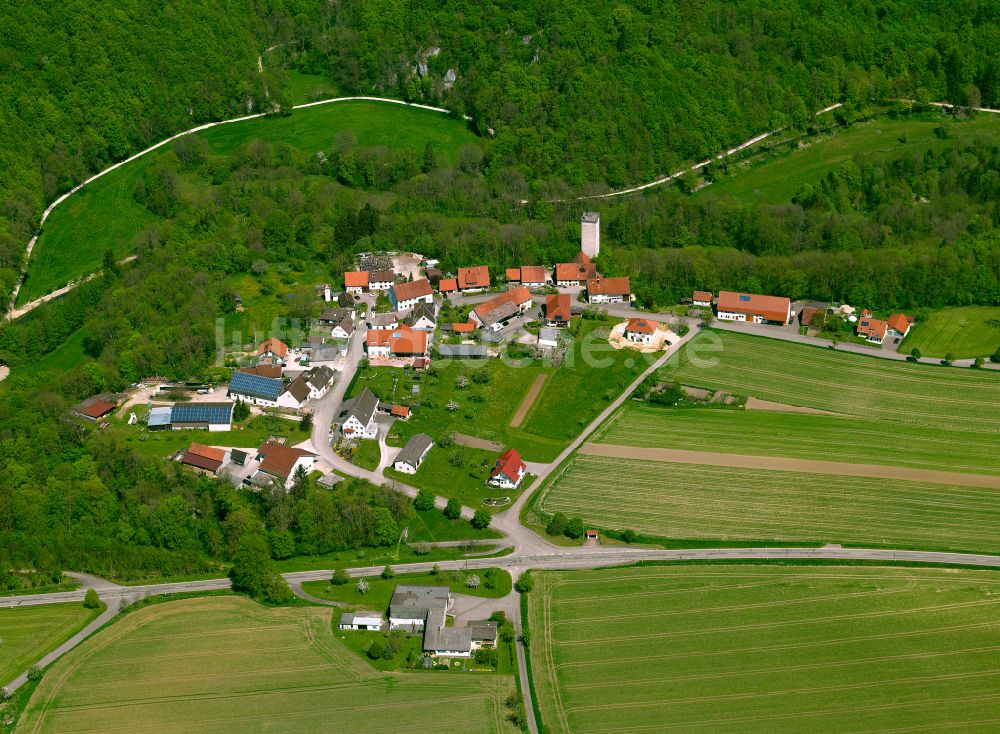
800, 466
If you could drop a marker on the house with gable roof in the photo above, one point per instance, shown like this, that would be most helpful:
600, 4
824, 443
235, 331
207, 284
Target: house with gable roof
509, 470
358, 418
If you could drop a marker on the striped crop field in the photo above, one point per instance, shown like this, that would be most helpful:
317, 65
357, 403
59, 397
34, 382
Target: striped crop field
827, 437
720, 503
28, 633
756, 649
225, 664
926, 396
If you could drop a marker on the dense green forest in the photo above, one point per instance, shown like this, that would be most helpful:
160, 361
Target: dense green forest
85, 84
568, 96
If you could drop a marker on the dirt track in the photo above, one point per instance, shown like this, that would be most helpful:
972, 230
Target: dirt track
778, 463
529, 400
477, 443
758, 404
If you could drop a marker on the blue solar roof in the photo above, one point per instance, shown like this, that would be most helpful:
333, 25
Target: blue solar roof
244, 383
215, 413
744, 298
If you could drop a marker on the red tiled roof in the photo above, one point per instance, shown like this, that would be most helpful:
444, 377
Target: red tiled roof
872, 327
582, 258
609, 286
475, 277
509, 464
209, 452
558, 307
356, 279
402, 341
414, 289
642, 326
466, 328
276, 346
447, 285
514, 274
575, 271
278, 459
532, 274
900, 322
204, 457
97, 408
515, 296
771, 308
702, 296
400, 411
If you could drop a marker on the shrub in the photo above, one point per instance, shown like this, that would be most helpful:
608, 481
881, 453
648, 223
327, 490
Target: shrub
525, 583
91, 600
628, 536
34, 673
978, 363
387, 572
557, 524
362, 587
453, 510
574, 528
376, 649
995, 358
481, 519
916, 353
472, 582
424, 500
340, 577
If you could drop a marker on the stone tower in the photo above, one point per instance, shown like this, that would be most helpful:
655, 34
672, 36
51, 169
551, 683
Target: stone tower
590, 234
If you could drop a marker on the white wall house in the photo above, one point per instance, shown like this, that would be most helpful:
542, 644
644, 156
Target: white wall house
360, 419
413, 454
360, 621
406, 296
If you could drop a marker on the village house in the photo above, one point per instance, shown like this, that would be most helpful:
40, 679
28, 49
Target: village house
509, 470
899, 325
753, 308
358, 420
384, 321
871, 329
448, 285
255, 389
558, 310
609, 290
425, 609
476, 278
530, 276
702, 299
280, 462
361, 620
381, 280
333, 316
413, 453
356, 282
400, 411
641, 331
205, 458
310, 385
406, 296
400, 346
422, 317
344, 329
273, 350
548, 337
497, 312
264, 370
575, 273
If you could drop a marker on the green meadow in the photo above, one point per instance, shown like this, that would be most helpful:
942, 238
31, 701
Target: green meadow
964, 333
28, 633
765, 649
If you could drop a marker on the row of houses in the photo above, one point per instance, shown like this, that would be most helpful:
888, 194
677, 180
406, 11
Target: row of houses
264, 387
876, 331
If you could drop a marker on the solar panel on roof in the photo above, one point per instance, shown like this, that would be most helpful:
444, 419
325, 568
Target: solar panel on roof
201, 413
246, 383
744, 298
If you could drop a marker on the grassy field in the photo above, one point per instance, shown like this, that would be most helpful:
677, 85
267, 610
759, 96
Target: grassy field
776, 178
432, 526
795, 435
225, 664
768, 649
105, 215
925, 396
308, 87
28, 633
691, 501
367, 455
457, 472
966, 332
592, 375
380, 590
